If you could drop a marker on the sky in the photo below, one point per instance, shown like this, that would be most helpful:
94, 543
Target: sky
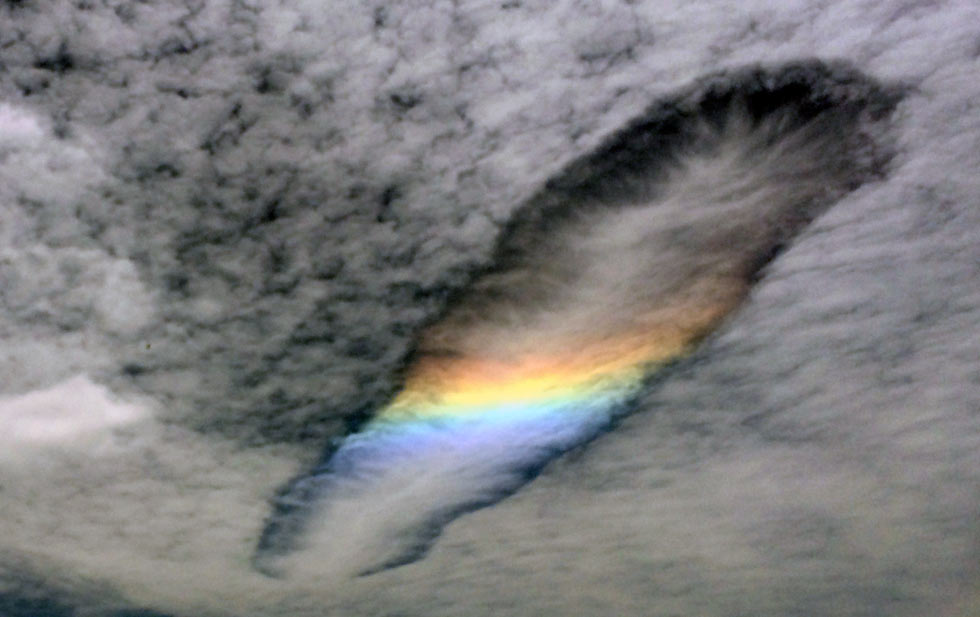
226, 226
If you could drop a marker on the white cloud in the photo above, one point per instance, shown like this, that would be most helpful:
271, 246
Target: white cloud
76, 414
18, 128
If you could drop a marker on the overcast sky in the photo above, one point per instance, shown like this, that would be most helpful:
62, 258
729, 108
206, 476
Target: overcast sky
224, 224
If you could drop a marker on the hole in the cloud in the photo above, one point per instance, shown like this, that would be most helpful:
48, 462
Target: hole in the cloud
619, 267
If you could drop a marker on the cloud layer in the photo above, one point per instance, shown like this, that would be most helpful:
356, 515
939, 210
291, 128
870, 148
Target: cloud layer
236, 218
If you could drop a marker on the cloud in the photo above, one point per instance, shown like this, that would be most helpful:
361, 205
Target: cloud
279, 198
74, 414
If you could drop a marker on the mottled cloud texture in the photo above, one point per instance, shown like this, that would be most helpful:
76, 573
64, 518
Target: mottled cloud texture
224, 225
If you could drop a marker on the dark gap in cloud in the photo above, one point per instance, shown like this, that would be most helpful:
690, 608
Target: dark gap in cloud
25, 605
60, 62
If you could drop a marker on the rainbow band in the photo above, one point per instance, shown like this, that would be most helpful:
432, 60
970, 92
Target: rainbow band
580, 374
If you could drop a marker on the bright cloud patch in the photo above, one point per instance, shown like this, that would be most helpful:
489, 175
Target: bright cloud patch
71, 414
18, 127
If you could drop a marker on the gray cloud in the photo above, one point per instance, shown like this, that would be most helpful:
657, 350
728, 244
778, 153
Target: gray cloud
237, 216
